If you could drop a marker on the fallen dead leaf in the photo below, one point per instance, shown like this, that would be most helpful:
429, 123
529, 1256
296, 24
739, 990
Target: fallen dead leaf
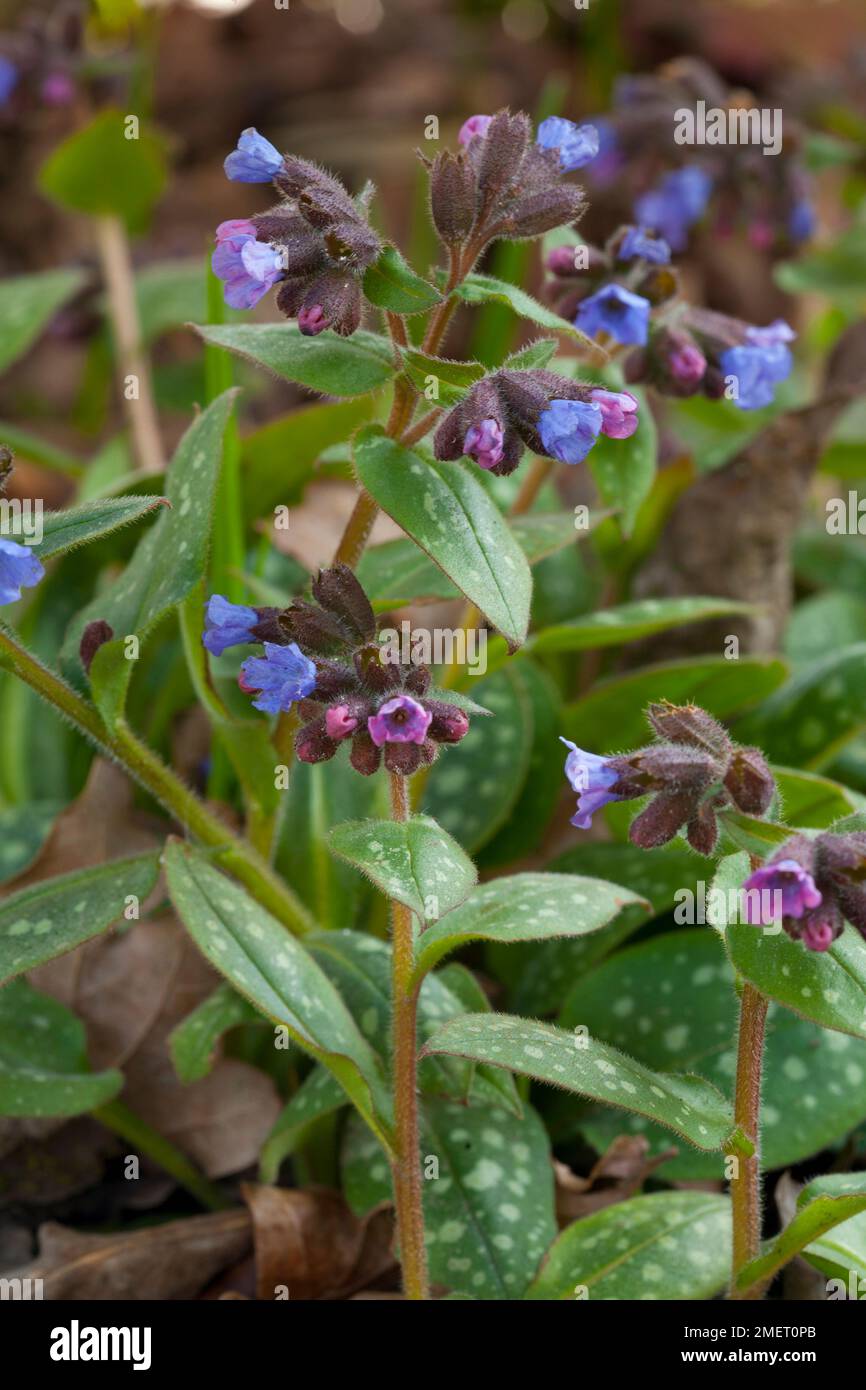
311, 1243
618, 1174
163, 1262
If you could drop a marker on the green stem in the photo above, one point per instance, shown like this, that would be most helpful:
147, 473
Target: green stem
162, 782
406, 1167
120, 1120
746, 1182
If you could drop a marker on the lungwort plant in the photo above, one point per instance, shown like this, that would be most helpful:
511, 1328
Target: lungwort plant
341, 772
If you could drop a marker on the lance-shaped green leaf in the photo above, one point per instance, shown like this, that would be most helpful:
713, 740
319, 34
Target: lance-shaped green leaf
391, 283
524, 907
840, 1255
50, 918
668, 1245
43, 1058
576, 1062
488, 1204
610, 627
473, 791
23, 832
533, 356
750, 833
280, 457
447, 511
396, 573
811, 801
442, 381
193, 1042
276, 974
168, 561
319, 1094
328, 363
809, 719
414, 862
612, 715
484, 289
822, 1204
828, 987
63, 531
27, 305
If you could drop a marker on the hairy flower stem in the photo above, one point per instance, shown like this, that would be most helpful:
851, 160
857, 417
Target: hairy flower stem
746, 1182
163, 783
131, 359
406, 1167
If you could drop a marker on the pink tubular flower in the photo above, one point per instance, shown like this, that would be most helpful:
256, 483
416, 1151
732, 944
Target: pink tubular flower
484, 443
400, 720
618, 413
247, 267
339, 723
476, 125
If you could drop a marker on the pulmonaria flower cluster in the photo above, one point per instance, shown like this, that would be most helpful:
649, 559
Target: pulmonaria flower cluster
613, 290
812, 886
729, 184
541, 410
324, 657
503, 184
316, 243
691, 772
717, 355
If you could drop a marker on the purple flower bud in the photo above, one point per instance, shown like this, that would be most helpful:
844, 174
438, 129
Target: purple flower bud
794, 885
448, 723
592, 779
227, 624
484, 443
452, 196
249, 268
686, 363
58, 89
255, 160
19, 569
339, 723
576, 145
568, 429
642, 243
94, 636
475, 125
283, 676
749, 781
818, 930
400, 720
312, 321
618, 413
561, 261
617, 311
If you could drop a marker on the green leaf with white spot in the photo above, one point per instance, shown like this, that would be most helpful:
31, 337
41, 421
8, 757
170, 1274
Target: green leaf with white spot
818, 711
23, 832
671, 1002
390, 283
52, 917
579, 1062
447, 511
266, 965
524, 907
329, 363
43, 1058
472, 791
822, 1205
841, 1254
611, 627
193, 1043
668, 1245
611, 717
827, 987
397, 573
319, 1094
64, 531
28, 303
171, 558
489, 1215
414, 862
